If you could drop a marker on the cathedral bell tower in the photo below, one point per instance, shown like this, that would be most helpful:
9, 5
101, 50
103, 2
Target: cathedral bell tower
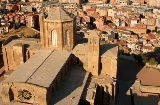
57, 30
93, 52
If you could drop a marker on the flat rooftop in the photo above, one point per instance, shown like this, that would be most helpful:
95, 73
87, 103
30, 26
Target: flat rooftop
106, 50
71, 89
102, 79
149, 76
81, 49
41, 69
32, 43
141, 98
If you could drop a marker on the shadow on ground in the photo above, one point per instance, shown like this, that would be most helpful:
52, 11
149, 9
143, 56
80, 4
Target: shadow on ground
69, 90
126, 76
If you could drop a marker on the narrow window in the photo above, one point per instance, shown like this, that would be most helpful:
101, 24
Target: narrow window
54, 38
66, 37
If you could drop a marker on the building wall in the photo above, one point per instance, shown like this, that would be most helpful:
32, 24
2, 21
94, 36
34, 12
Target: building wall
137, 30
110, 12
12, 91
57, 80
93, 55
102, 12
46, 28
152, 27
81, 60
97, 1
151, 22
140, 1
70, 27
8, 57
112, 1
30, 21
109, 66
71, 1
153, 3
14, 57
39, 95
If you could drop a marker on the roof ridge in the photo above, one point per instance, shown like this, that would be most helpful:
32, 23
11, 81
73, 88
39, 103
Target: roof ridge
58, 13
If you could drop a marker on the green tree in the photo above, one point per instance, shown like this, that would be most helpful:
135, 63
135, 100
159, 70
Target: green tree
144, 59
152, 61
4, 32
153, 31
158, 31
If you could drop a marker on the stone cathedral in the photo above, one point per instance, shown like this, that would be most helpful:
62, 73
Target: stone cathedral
57, 30
56, 70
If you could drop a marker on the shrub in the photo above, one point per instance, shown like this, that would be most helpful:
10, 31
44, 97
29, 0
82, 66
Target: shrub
152, 61
158, 31
153, 31
144, 59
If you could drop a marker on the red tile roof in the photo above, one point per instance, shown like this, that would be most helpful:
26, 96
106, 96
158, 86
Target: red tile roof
152, 36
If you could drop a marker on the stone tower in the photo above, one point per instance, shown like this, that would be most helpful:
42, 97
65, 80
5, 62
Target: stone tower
93, 52
57, 30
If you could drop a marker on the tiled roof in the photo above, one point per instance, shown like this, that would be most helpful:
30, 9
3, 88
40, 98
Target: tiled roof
59, 15
149, 76
152, 36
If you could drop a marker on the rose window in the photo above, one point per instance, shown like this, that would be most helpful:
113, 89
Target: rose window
24, 95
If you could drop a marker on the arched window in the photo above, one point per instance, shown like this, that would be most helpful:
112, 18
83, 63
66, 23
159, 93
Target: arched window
66, 41
54, 38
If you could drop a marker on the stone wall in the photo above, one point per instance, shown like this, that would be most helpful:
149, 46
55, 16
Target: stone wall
70, 27
109, 66
35, 94
81, 60
46, 28
14, 57
23, 92
93, 55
